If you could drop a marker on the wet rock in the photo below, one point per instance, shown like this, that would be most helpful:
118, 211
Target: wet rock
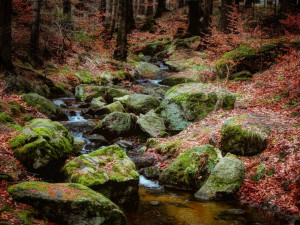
84, 105
152, 124
139, 103
78, 146
43, 146
98, 102
87, 93
96, 138
45, 106
155, 203
125, 145
177, 79
191, 168
243, 135
224, 181
72, 113
68, 203
231, 214
115, 125
150, 172
187, 103
144, 159
108, 171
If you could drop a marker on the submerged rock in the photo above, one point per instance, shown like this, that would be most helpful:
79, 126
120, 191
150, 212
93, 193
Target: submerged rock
243, 135
45, 106
87, 93
43, 146
188, 103
115, 125
191, 168
152, 124
68, 203
139, 103
225, 180
108, 171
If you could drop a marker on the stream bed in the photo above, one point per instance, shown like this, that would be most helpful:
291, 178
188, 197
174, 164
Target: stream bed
159, 206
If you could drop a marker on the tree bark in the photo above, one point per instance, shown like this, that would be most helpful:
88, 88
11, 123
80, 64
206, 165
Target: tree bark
195, 14
287, 6
248, 4
121, 51
149, 10
35, 29
225, 12
181, 3
208, 10
113, 17
108, 13
5, 35
130, 17
161, 8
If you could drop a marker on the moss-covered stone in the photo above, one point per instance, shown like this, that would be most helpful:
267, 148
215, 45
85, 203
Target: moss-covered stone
68, 203
154, 47
148, 70
152, 124
187, 103
225, 180
139, 103
84, 77
87, 93
108, 171
248, 58
191, 168
115, 77
115, 107
177, 79
98, 102
243, 136
78, 146
43, 146
115, 125
45, 106
6, 119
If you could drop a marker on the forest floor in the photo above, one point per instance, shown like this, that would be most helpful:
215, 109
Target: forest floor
273, 93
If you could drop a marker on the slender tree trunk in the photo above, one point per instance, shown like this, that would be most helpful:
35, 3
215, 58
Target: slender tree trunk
149, 10
108, 13
208, 10
35, 30
194, 24
161, 8
113, 17
130, 17
225, 12
121, 51
5, 35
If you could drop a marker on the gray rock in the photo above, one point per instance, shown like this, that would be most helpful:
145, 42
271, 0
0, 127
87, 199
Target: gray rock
68, 203
148, 70
152, 124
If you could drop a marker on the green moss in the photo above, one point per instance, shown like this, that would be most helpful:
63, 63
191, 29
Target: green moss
85, 77
27, 118
6, 119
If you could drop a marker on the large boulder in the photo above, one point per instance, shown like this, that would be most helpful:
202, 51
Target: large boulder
179, 79
139, 103
187, 103
114, 77
155, 46
108, 171
152, 124
43, 146
249, 57
191, 168
244, 135
148, 70
115, 125
87, 93
225, 180
45, 106
68, 203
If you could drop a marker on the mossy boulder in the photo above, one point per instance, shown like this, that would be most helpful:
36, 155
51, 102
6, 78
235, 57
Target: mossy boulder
177, 79
244, 135
87, 93
139, 103
148, 70
84, 77
98, 102
249, 58
152, 124
45, 106
115, 125
173, 66
115, 107
43, 146
154, 47
108, 171
73, 204
114, 77
78, 146
225, 180
187, 103
191, 168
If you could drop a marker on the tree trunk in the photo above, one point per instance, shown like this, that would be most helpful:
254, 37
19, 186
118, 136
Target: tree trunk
149, 10
248, 4
194, 24
121, 51
113, 17
161, 8
287, 6
108, 13
181, 3
35, 30
142, 7
208, 10
130, 17
102, 5
5, 35
67, 7
226, 9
